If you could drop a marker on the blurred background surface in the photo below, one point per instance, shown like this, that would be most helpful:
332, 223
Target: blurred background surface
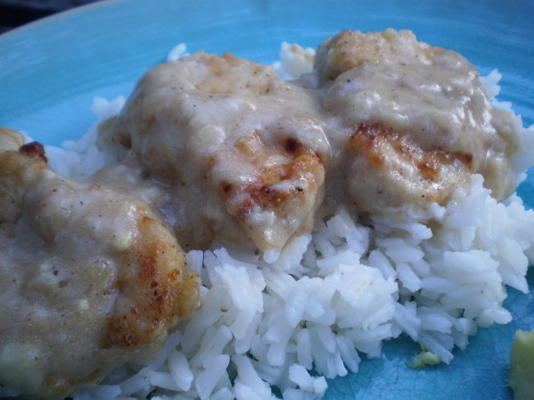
14, 13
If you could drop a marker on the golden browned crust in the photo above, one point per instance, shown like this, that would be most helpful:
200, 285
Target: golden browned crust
158, 289
371, 138
303, 166
34, 149
380, 145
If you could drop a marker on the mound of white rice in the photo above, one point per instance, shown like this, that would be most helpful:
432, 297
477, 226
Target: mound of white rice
270, 330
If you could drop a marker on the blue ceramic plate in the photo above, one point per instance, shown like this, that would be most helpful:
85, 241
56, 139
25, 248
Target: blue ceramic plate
50, 71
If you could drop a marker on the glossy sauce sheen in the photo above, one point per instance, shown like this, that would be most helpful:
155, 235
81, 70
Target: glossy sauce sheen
217, 149
90, 278
243, 157
239, 149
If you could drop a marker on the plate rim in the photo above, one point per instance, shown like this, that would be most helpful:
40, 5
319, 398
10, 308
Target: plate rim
56, 15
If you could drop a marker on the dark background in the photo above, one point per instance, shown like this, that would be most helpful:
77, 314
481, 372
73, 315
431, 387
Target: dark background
14, 13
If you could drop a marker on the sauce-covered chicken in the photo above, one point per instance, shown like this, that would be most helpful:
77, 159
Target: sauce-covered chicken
384, 120
241, 149
90, 278
412, 120
222, 150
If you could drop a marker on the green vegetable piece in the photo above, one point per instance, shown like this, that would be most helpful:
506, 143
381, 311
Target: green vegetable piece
522, 365
424, 359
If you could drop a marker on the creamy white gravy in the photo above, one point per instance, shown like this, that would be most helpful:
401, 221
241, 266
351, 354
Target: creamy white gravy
243, 157
219, 149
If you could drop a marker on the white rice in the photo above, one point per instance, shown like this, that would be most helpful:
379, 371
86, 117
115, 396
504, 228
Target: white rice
288, 321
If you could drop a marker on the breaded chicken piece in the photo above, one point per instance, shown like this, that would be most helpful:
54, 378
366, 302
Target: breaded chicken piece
398, 171
408, 105
90, 279
243, 150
